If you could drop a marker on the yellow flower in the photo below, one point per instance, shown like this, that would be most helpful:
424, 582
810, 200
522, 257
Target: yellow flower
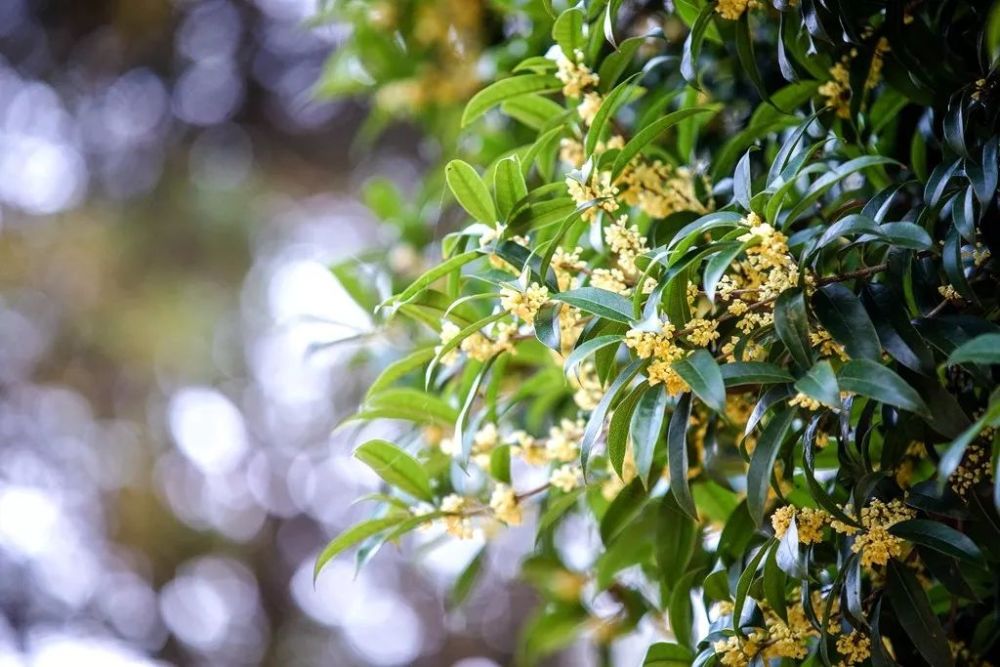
854, 648
528, 448
950, 293
456, 523
588, 388
526, 304
589, 107
564, 441
702, 332
612, 280
782, 519
804, 401
574, 75
566, 478
810, 524
733, 9
599, 188
571, 152
837, 90
663, 371
505, 506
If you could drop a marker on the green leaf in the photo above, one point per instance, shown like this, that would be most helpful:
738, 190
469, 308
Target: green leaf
500, 464
618, 429
649, 133
470, 191
557, 507
351, 536
762, 462
820, 383
466, 581
693, 42
587, 348
505, 89
717, 265
431, 275
914, 613
680, 610
700, 370
742, 184
596, 422
841, 312
663, 654
408, 404
677, 456
567, 31
533, 110
676, 537
623, 509
745, 54
738, 373
647, 429
792, 326
400, 368
940, 537
597, 301
396, 467
509, 185
775, 582
743, 586
983, 349
614, 100
872, 379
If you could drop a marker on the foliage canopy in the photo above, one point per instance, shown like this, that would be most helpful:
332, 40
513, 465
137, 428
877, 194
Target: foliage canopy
726, 288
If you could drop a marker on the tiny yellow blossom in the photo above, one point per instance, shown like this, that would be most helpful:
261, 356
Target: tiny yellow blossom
782, 519
702, 332
612, 280
456, 523
854, 648
571, 152
574, 75
564, 440
565, 478
505, 505
599, 188
526, 304
807, 402
732, 10
589, 107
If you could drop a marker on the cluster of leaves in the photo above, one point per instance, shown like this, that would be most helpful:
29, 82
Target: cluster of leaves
729, 293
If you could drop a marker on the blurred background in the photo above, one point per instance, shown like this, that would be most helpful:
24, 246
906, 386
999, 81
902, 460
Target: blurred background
172, 195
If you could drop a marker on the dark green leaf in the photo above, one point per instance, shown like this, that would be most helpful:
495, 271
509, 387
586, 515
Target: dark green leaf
792, 326
820, 383
914, 613
872, 379
762, 462
700, 370
677, 456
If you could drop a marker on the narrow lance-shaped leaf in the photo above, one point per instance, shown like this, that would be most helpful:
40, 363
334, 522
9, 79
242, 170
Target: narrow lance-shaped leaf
397, 467
762, 462
350, 537
872, 379
915, 615
596, 422
677, 456
983, 349
647, 429
842, 314
597, 301
701, 372
792, 326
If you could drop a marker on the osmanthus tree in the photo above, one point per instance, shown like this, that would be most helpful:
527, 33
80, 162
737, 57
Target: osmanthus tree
725, 289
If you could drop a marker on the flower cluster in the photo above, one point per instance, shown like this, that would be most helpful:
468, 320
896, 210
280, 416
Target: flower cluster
874, 541
526, 304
